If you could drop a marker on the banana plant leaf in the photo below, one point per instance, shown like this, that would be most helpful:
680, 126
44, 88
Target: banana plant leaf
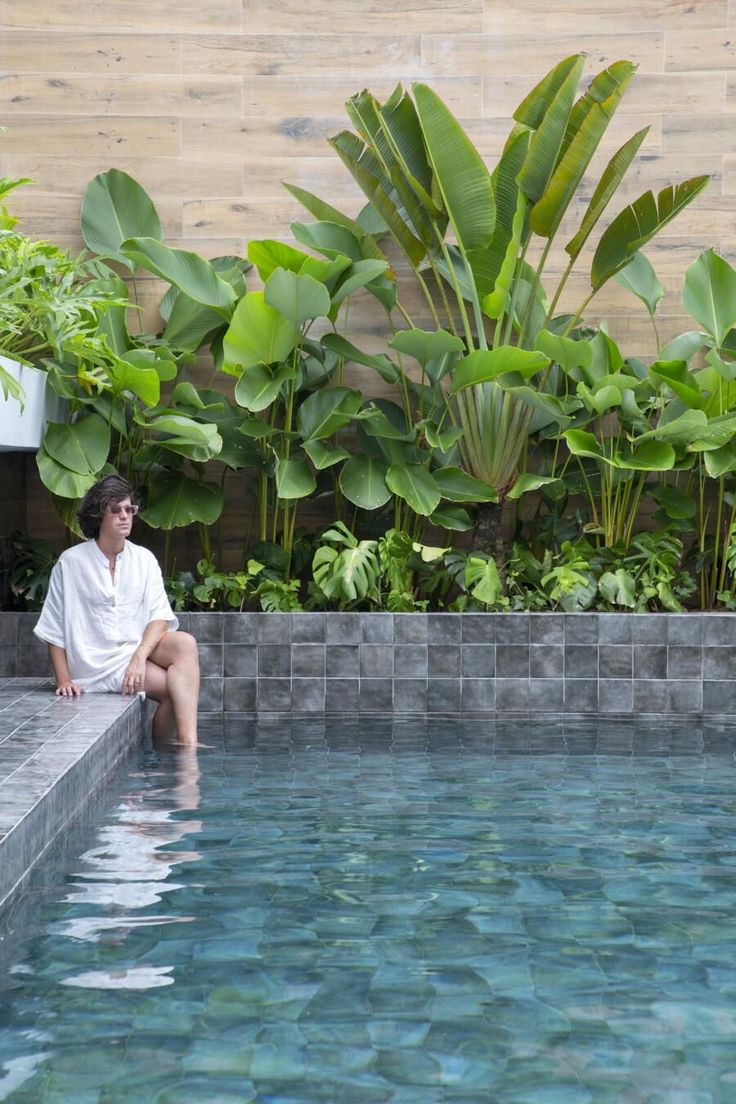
488, 364
450, 516
546, 141
322, 456
426, 345
460, 172
267, 255
259, 386
528, 481
565, 351
675, 374
457, 486
385, 367
637, 224
605, 190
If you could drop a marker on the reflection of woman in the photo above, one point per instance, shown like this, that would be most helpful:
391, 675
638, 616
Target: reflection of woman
108, 622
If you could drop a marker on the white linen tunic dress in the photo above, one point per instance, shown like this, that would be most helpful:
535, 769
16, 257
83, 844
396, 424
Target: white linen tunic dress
100, 621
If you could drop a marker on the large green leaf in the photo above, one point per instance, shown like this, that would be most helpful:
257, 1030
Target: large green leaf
258, 334
637, 224
565, 351
60, 480
268, 255
448, 515
298, 298
483, 580
363, 482
460, 171
81, 446
325, 412
546, 142
641, 280
528, 482
188, 271
535, 105
259, 385
486, 264
677, 377
416, 486
175, 500
385, 367
322, 456
114, 208
487, 364
710, 294
588, 122
605, 190
425, 345
649, 456
136, 377
294, 479
360, 274
457, 486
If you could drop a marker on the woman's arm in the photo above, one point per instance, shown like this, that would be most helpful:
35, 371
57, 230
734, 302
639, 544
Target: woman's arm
134, 679
65, 688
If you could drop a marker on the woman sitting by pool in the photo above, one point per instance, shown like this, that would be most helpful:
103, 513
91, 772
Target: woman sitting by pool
108, 623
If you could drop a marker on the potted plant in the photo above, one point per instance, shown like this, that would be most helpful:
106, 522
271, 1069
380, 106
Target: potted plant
50, 307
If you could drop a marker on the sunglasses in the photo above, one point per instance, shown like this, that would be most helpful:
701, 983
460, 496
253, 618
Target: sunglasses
117, 510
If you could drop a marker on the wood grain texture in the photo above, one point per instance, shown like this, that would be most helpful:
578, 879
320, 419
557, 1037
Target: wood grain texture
366, 16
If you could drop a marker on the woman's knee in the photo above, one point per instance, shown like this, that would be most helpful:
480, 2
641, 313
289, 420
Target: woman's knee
185, 645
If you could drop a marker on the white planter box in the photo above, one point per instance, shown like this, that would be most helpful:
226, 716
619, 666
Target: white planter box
24, 429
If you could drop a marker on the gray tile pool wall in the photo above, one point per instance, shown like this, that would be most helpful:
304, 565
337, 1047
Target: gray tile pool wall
54, 753
446, 663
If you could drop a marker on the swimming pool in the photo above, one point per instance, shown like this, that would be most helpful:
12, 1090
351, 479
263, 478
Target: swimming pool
414, 911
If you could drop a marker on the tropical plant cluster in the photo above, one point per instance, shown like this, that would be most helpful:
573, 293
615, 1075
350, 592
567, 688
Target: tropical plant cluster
511, 456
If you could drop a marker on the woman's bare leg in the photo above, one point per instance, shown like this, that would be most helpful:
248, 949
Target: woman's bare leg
176, 653
164, 726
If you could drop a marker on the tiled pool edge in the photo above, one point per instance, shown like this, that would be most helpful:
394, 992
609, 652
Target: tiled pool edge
44, 786
470, 664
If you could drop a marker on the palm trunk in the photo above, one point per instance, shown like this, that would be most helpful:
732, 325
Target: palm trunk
487, 536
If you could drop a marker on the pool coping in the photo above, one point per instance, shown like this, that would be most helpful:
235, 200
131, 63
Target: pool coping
54, 753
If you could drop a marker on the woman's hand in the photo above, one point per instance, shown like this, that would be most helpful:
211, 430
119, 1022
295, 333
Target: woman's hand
134, 679
69, 689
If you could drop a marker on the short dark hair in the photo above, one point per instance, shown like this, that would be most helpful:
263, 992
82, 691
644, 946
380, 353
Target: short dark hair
106, 492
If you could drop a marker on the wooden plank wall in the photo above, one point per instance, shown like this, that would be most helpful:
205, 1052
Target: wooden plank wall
212, 104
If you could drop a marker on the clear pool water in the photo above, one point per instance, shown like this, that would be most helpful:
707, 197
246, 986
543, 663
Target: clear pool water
414, 912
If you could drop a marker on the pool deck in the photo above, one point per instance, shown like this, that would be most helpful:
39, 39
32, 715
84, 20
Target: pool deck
54, 752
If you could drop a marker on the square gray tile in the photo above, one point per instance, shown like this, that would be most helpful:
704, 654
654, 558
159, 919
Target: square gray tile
443, 695
210, 660
547, 628
343, 660
479, 660
719, 663
719, 628
651, 696
478, 628
443, 660
240, 695
512, 695
308, 659
273, 628
684, 661
376, 695
308, 628
376, 628
239, 628
614, 628
719, 697
376, 661
512, 628
546, 660
211, 695
444, 628
546, 695
240, 660
343, 628
512, 661
207, 628
478, 695
410, 661
650, 661
274, 694
615, 695
581, 628
581, 660
686, 696
410, 628
581, 695
342, 695
308, 695
410, 695
685, 628
274, 660
615, 660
